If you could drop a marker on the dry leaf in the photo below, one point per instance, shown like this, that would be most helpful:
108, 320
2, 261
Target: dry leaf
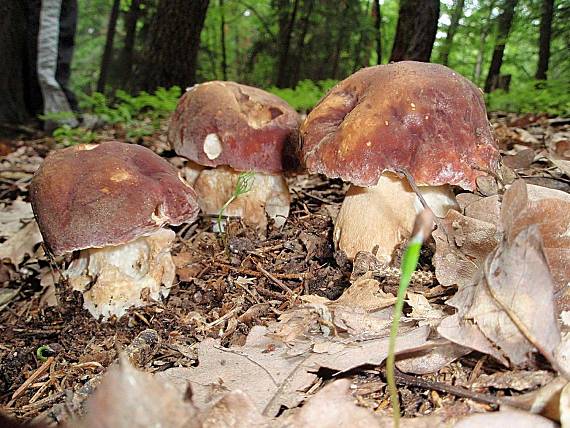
282, 371
518, 380
512, 305
505, 418
128, 398
433, 359
21, 244
366, 293
461, 248
549, 209
13, 216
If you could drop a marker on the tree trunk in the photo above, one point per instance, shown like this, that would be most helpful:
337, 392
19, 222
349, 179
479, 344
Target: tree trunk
482, 40
362, 49
286, 25
300, 49
126, 56
416, 30
174, 40
108, 51
453, 25
223, 41
544, 42
378, 33
340, 38
505, 22
13, 47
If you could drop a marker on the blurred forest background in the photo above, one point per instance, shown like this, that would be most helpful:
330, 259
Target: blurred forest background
517, 50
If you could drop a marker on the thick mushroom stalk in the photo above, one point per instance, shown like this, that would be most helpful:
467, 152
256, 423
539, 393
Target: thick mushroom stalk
268, 197
114, 278
381, 217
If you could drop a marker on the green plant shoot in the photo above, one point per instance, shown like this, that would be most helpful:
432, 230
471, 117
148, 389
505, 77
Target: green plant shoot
244, 184
422, 229
41, 351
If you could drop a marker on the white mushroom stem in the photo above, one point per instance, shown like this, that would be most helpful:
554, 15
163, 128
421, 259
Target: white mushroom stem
383, 216
268, 197
112, 279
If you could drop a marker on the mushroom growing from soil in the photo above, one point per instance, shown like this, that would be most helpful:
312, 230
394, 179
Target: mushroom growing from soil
225, 128
110, 202
421, 118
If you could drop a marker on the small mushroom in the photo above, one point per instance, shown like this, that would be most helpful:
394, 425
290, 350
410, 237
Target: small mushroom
110, 202
225, 128
409, 116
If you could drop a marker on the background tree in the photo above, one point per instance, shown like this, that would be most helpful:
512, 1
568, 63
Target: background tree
173, 42
544, 41
108, 50
13, 107
126, 54
451, 30
504, 23
416, 30
377, 13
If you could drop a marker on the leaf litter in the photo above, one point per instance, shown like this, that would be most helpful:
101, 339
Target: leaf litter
284, 331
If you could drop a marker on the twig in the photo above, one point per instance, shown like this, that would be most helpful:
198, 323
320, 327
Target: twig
405, 379
276, 281
35, 375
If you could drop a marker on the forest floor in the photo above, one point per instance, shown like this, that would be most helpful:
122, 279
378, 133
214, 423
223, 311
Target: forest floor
288, 284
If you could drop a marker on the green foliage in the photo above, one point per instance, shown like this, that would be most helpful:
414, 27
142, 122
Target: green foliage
306, 95
551, 96
68, 136
141, 114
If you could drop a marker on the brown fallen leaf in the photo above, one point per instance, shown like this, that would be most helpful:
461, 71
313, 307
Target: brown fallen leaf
13, 216
127, 398
461, 248
283, 370
518, 380
22, 243
549, 209
505, 418
512, 305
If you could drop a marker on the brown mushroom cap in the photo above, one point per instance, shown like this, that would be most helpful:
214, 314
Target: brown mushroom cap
253, 129
89, 196
421, 117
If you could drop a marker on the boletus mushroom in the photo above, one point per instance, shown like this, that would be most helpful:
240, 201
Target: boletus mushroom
109, 202
225, 128
421, 118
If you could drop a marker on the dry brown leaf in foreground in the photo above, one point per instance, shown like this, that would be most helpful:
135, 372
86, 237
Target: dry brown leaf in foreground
512, 305
22, 243
274, 372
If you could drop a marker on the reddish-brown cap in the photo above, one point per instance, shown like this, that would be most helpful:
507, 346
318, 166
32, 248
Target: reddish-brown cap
421, 117
89, 196
226, 123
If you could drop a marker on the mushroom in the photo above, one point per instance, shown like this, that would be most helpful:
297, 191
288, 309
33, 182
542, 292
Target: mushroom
110, 202
225, 128
424, 119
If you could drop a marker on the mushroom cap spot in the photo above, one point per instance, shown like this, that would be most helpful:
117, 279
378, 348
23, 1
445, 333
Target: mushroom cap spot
212, 146
421, 117
108, 195
257, 130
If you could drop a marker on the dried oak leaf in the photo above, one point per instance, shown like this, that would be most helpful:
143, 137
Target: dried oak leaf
461, 248
22, 243
274, 373
511, 310
549, 209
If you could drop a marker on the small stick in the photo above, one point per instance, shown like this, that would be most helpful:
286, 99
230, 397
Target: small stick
35, 375
405, 379
277, 282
